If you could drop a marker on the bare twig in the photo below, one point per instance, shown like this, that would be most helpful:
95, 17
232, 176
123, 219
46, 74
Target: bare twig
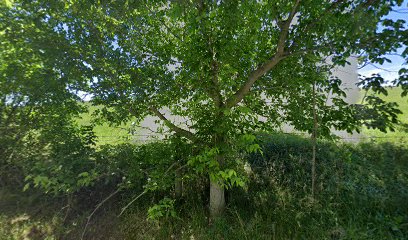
171, 166
96, 209
130, 203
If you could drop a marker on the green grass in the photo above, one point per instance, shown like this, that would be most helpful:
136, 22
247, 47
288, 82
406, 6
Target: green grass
361, 193
26, 215
119, 134
106, 134
400, 135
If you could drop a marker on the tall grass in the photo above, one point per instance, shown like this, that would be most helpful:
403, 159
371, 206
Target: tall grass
361, 193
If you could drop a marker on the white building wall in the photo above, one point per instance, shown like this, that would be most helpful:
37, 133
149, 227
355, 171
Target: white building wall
348, 74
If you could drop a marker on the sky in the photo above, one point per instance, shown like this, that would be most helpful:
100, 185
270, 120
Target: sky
389, 71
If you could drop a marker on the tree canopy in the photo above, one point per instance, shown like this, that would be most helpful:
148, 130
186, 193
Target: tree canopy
230, 67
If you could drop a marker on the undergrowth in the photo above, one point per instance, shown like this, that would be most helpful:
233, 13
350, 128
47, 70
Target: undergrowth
361, 193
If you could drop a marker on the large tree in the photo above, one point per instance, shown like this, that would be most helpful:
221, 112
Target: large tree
230, 67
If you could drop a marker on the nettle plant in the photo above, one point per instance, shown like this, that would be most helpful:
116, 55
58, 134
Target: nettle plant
229, 67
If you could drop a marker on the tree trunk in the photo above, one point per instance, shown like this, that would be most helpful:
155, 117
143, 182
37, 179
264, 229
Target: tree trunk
217, 192
217, 200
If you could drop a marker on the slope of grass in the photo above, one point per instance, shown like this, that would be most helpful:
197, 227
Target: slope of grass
401, 134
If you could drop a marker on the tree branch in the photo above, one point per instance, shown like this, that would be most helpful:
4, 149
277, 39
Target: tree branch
133, 200
268, 65
213, 90
182, 132
285, 29
216, 94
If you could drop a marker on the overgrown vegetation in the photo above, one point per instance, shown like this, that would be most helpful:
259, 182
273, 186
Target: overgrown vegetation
222, 66
233, 72
361, 194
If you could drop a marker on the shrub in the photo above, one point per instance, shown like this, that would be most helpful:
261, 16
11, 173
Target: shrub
361, 193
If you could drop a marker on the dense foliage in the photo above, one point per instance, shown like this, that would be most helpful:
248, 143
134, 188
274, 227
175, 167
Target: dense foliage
361, 194
222, 65
230, 69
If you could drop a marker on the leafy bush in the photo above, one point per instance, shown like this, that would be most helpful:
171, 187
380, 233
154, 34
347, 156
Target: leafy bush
65, 160
163, 210
362, 189
361, 194
151, 165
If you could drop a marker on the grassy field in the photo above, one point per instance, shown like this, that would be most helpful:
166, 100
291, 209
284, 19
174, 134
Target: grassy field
118, 134
106, 134
401, 134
